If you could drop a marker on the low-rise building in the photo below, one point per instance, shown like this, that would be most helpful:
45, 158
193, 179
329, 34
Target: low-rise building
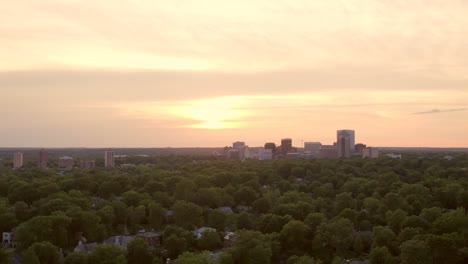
198, 233
87, 164
370, 153
328, 152
65, 162
9, 239
265, 154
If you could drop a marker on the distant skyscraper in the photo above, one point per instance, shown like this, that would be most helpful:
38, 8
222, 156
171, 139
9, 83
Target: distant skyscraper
238, 145
65, 162
43, 156
286, 145
17, 160
109, 158
352, 136
343, 144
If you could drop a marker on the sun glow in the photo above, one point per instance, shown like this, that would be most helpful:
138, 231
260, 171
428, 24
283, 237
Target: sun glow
213, 113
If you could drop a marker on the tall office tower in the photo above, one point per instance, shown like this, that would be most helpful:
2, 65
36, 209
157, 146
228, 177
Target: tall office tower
286, 145
43, 156
344, 147
352, 138
360, 147
272, 146
65, 162
109, 158
238, 145
17, 160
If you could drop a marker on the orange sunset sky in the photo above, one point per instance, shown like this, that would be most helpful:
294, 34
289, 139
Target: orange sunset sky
179, 73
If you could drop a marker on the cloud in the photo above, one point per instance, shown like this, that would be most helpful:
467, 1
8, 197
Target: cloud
436, 111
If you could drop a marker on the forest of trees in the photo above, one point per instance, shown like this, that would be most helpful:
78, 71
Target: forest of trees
410, 211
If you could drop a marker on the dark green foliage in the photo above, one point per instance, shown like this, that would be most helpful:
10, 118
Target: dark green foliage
107, 254
411, 210
138, 252
76, 258
381, 255
5, 257
43, 253
210, 240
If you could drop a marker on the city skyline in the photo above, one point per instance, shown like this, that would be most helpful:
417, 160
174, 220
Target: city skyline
209, 72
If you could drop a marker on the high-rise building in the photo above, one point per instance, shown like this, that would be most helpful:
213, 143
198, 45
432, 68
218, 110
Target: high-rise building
352, 136
343, 143
265, 154
238, 145
286, 145
109, 158
65, 162
17, 160
272, 146
43, 157
370, 153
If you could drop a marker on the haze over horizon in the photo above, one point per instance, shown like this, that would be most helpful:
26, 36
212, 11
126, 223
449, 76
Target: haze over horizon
206, 73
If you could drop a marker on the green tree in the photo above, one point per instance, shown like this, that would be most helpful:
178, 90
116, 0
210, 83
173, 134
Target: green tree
385, 237
313, 220
217, 219
5, 257
53, 228
185, 190
44, 253
295, 236
415, 252
156, 215
396, 219
245, 221
302, 260
337, 235
187, 214
76, 258
194, 258
107, 254
175, 245
138, 252
380, 255
358, 245
251, 247
210, 240
445, 248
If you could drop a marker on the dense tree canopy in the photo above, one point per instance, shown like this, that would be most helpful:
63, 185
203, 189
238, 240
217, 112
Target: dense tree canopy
410, 210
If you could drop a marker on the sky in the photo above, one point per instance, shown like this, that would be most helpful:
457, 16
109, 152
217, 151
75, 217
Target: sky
206, 73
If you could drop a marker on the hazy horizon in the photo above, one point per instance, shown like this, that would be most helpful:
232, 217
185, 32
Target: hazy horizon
206, 73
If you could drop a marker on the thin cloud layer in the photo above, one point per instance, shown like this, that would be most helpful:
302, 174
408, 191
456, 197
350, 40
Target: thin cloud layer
436, 111
204, 73
427, 37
